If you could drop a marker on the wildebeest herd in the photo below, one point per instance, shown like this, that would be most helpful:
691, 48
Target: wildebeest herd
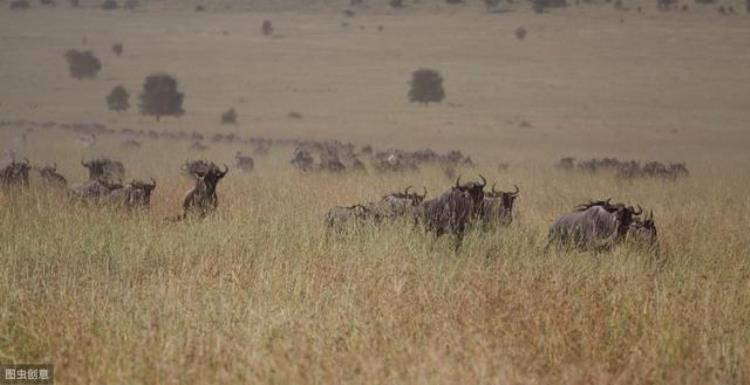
595, 225
630, 169
598, 225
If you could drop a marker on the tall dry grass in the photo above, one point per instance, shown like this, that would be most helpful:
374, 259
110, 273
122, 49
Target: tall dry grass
258, 294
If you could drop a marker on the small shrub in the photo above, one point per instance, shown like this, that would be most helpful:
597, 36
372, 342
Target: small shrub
117, 100
117, 48
685, 8
267, 28
199, 8
520, 33
426, 86
160, 97
490, 4
396, 3
74, 3
131, 4
348, 13
454, 1
19, 4
47, 2
294, 115
229, 117
82, 64
108, 5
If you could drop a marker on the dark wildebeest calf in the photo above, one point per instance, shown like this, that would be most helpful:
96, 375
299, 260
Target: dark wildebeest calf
497, 208
202, 199
593, 226
453, 211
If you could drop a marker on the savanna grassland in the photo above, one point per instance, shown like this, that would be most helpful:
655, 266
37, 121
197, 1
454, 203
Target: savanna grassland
257, 293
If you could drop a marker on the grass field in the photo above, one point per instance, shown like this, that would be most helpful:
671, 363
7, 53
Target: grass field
257, 294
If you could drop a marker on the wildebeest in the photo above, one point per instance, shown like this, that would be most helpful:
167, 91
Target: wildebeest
244, 162
397, 205
303, 161
94, 191
105, 169
15, 174
134, 195
497, 208
340, 216
202, 200
592, 226
642, 232
51, 177
453, 211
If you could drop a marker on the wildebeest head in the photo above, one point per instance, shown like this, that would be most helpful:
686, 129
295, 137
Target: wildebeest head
105, 169
474, 189
498, 206
643, 231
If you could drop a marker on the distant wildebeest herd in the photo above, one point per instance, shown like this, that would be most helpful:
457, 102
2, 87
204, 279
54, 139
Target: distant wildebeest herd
627, 169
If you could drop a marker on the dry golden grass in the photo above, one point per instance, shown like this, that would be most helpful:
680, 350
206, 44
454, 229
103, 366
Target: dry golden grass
255, 293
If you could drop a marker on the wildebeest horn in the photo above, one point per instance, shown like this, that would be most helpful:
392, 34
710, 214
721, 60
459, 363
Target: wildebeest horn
493, 187
484, 181
517, 190
26, 160
651, 215
458, 181
226, 170
425, 192
153, 183
640, 210
407, 190
83, 163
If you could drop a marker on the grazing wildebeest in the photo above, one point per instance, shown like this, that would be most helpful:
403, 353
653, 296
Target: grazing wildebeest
134, 195
51, 177
244, 162
93, 190
15, 174
497, 208
453, 211
592, 226
398, 205
105, 169
340, 216
642, 232
202, 200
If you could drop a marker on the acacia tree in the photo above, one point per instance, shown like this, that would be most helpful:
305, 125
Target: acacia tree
117, 100
82, 64
160, 97
426, 86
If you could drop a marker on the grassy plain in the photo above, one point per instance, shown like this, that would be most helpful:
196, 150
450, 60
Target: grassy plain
255, 293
